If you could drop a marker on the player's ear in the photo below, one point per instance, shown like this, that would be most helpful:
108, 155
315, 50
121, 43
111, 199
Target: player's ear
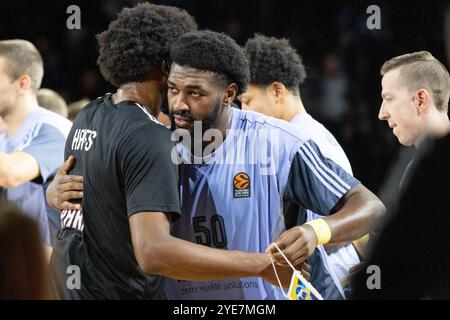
230, 94
278, 91
24, 82
421, 101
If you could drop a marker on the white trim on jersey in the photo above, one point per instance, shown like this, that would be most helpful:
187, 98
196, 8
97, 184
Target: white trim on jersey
148, 114
316, 173
338, 179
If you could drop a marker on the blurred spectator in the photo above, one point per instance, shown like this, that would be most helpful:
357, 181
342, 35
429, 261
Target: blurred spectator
23, 269
333, 104
52, 101
76, 107
32, 147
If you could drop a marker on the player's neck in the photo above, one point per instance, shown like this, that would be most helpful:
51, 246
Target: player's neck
25, 105
293, 107
139, 92
225, 118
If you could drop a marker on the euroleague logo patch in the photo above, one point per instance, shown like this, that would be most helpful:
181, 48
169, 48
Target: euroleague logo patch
241, 185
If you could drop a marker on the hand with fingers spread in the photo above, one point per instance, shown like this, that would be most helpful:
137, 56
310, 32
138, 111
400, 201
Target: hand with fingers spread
65, 188
297, 244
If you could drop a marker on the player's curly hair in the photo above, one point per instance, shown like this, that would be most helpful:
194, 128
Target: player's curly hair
273, 59
213, 51
139, 38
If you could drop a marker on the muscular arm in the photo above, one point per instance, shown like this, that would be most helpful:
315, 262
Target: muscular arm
157, 252
17, 168
357, 214
349, 209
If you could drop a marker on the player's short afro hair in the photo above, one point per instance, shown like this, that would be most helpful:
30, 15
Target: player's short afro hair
139, 38
213, 51
273, 59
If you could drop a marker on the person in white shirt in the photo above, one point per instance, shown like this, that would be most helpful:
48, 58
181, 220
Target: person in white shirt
276, 74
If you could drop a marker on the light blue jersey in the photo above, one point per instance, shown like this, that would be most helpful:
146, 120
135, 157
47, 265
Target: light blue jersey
336, 261
233, 200
43, 135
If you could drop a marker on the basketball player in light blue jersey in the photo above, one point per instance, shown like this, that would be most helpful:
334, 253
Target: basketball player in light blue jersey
237, 166
32, 138
277, 72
